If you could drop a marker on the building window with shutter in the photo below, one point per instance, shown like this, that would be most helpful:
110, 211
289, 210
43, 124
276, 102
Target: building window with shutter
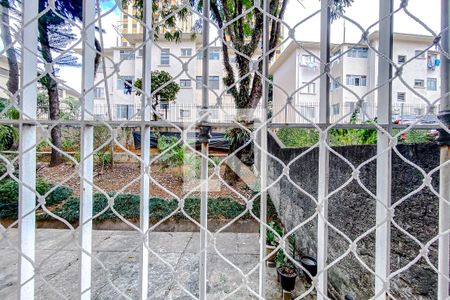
401, 97
432, 84
165, 57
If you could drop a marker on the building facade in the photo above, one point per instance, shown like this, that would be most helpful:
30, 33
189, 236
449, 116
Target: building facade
354, 67
123, 65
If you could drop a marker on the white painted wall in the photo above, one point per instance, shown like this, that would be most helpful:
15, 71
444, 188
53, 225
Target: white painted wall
404, 44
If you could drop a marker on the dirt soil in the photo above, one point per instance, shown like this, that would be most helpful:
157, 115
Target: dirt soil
124, 177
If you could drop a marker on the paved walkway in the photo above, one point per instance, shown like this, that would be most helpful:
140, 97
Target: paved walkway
118, 251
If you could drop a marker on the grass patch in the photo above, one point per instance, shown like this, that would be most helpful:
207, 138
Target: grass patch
128, 206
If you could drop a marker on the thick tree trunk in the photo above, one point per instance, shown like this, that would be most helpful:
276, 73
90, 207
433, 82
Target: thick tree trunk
5, 33
52, 89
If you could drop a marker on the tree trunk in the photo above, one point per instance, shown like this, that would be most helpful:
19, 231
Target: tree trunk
52, 89
5, 32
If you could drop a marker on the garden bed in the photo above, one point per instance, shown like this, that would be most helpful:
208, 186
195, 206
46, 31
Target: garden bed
220, 211
114, 179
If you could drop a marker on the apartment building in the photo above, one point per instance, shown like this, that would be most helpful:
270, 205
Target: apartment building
296, 73
169, 56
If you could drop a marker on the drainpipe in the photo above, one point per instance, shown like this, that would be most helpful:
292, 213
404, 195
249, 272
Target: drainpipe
444, 172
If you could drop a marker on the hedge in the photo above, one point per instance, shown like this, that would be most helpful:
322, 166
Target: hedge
128, 206
9, 195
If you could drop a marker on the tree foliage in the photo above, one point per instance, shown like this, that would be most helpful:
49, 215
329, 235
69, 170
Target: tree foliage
163, 88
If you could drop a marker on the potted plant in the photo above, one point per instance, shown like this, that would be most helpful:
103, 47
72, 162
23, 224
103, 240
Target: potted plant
272, 240
310, 265
287, 273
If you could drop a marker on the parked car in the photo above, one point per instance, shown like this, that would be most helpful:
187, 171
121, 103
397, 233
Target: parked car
410, 119
429, 120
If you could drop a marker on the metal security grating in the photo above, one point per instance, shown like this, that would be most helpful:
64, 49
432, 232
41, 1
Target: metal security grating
90, 25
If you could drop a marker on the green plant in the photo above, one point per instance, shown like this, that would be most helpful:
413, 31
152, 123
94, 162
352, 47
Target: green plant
9, 195
9, 135
414, 136
128, 205
106, 158
271, 238
58, 195
175, 156
280, 259
298, 137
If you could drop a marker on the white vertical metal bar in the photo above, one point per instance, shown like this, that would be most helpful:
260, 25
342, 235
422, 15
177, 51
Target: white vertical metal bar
204, 163
383, 190
87, 147
444, 172
263, 157
324, 118
27, 151
145, 148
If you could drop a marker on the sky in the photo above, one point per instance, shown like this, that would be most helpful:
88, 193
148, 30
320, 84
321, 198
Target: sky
365, 12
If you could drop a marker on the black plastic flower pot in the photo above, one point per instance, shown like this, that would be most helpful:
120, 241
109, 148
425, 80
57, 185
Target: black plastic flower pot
310, 265
287, 281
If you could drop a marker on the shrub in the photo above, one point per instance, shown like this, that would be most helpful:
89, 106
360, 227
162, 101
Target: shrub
58, 195
128, 206
9, 195
175, 156
8, 136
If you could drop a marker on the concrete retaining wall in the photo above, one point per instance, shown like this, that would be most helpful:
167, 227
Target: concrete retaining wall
352, 211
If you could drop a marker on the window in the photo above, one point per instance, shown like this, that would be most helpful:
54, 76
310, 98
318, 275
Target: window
99, 92
308, 111
432, 84
185, 113
419, 83
165, 56
401, 59
359, 52
134, 25
125, 83
185, 83
125, 55
357, 80
213, 82
419, 54
125, 26
186, 52
140, 52
124, 111
214, 54
401, 97
307, 59
335, 83
309, 89
198, 82
336, 109
351, 106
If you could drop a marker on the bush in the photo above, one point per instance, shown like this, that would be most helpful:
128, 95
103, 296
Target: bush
9, 195
128, 206
175, 156
58, 195
8, 136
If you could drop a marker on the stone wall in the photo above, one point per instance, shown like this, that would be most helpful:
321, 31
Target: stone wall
352, 211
